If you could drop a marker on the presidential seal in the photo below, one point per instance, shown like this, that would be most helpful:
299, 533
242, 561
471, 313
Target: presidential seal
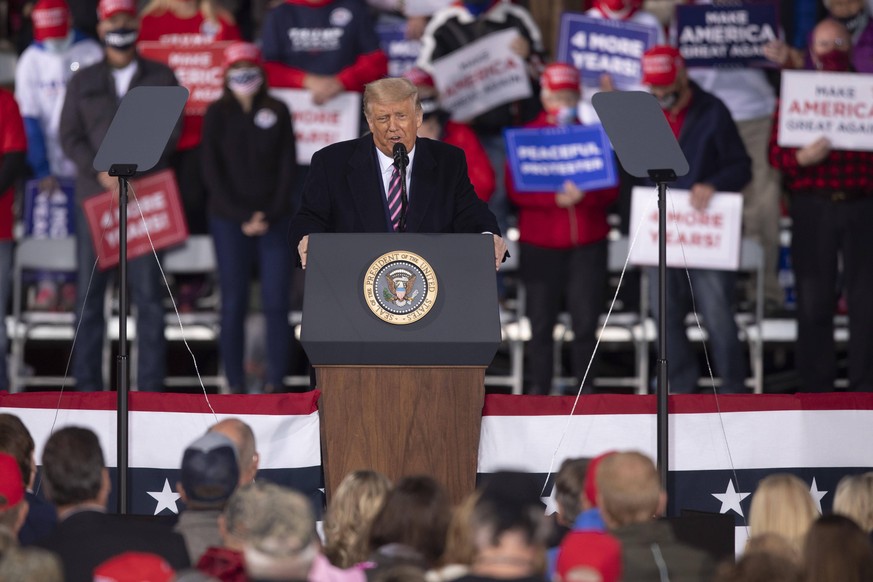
400, 287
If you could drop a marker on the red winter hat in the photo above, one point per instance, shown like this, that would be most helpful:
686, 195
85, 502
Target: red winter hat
109, 8
11, 483
558, 76
241, 51
51, 19
134, 567
590, 549
661, 64
591, 478
418, 77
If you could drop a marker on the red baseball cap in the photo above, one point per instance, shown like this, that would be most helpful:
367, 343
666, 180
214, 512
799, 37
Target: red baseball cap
51, 19
418, 77
11, 483
590, 549
559, 76
109, 8
241, 51
591, 478
134, 567
661, 64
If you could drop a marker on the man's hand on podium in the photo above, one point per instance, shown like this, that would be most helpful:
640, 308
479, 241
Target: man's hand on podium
302, 247
499, 250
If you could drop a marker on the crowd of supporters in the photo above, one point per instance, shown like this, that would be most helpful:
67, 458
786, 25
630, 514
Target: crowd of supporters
240, 176
608, 525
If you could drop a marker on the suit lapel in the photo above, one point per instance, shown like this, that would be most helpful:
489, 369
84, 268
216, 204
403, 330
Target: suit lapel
363, 181
423, 186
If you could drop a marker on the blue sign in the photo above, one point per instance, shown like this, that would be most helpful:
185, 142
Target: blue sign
725, 36
402, 52
596, 46
542, 159
49, 214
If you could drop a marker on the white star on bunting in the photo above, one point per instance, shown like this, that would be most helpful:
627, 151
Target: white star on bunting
730, 499
166, 498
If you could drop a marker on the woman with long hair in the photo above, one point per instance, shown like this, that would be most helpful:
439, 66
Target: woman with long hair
782, 505
353, 506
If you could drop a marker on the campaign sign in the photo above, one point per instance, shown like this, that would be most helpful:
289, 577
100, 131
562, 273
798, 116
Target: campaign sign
542, 159
700, 240
482, 75
713, 36
317, 126
596, 46
199, 68
838, 106
49, 214
154, 217
402, 52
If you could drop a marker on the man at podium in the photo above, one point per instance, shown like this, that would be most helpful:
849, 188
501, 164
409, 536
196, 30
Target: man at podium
355, 186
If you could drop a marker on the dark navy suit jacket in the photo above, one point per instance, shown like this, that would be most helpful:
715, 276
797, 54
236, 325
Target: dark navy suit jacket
344, 193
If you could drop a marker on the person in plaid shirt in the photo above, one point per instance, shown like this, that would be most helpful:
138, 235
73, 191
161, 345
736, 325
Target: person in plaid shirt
831, 207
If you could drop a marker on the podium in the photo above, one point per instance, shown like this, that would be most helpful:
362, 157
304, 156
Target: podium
400, 329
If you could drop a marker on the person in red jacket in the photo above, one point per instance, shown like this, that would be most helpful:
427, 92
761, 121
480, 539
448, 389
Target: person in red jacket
562, 253
437, 125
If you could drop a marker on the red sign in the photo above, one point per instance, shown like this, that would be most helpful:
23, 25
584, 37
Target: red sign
197, 67
154, 217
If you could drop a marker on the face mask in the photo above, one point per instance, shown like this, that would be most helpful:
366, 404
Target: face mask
834, 61
121, 38
668, 101
564, 116
58, 45
245, 82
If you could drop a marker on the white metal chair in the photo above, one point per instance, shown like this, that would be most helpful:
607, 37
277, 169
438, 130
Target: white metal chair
33, 254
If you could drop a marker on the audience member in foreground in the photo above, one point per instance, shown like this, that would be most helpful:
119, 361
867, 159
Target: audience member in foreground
210, 474
354, 504
854, 499
42, 518
837, 550
30, 565
243, 438
77, 482
630, 497
782, 505
281, 544
589, 556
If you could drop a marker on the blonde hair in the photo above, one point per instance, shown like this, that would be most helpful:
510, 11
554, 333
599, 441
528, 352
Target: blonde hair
854, 499
630, 488
459, 539
782, 505
390, 90
207, 8
354, 504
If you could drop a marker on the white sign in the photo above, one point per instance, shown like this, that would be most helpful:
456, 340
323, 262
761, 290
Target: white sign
481, 76
838, 106
317, 126
702, 240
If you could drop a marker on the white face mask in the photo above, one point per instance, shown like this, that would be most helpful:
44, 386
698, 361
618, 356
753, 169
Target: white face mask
58, 45
245, 82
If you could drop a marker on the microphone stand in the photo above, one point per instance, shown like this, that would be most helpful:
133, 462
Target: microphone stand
401, 160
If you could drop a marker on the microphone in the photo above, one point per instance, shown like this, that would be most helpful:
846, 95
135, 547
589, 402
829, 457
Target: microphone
401, 159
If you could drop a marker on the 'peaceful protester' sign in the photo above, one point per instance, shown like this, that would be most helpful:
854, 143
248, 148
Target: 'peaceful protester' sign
712, 36
838, 106
542, 159
596, 46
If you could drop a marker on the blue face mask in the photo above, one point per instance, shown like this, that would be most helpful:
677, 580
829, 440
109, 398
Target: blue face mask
245, 81
565, 116
58, 45
121, 38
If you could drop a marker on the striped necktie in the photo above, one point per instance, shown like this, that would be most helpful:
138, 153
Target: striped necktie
394, 199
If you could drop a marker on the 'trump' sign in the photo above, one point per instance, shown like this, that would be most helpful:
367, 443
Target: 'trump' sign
542, 159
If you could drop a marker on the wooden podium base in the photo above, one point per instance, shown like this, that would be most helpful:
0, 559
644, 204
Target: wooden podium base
402, 421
